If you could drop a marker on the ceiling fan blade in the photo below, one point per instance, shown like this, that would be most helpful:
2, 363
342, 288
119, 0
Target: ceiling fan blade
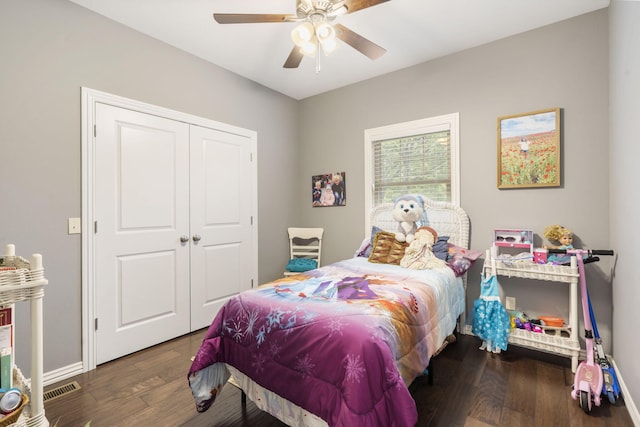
250, 18
294, 59
356, 5
359, 43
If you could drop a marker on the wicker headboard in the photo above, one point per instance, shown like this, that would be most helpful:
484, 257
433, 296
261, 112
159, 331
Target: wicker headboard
445, 218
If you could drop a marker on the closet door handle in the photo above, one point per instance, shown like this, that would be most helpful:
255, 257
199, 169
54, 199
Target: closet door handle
196, 238
184, 238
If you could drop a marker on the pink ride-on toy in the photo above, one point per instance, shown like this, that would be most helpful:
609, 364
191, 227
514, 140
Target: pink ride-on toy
589, 379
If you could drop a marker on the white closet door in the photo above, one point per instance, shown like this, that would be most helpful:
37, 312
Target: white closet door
221, 194
142, 210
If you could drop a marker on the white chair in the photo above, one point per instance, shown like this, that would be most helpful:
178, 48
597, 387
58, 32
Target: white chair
304, 243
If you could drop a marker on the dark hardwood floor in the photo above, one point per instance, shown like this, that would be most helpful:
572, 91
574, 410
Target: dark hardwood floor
471, 387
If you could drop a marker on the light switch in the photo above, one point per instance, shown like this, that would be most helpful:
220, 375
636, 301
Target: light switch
74, 226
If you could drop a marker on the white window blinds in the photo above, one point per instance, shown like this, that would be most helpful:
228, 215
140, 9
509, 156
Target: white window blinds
416, 157
415, 164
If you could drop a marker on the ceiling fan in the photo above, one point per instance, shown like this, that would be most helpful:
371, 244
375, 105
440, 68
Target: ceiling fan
316, 29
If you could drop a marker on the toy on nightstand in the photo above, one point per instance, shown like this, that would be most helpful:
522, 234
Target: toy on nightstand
563, 237
560, 235
513, 238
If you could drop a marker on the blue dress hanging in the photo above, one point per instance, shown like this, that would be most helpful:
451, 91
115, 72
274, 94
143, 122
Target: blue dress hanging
492, 323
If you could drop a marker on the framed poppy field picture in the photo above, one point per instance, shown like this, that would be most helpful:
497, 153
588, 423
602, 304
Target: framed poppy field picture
529, 149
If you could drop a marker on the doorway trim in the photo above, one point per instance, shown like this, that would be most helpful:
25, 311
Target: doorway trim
89, 99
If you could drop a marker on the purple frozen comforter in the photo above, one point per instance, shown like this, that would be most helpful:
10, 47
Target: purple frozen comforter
342, 341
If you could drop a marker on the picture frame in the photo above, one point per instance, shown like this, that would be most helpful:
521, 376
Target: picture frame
329, 189
529, 149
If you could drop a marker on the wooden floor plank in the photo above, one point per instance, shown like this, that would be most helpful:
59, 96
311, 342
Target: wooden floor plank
510, 418
521, 386
550, 395
492, 389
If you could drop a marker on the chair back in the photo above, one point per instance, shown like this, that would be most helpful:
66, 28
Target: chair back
305, 243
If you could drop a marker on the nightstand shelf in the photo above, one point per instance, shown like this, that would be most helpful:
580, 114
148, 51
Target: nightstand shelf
24, 281
562, 340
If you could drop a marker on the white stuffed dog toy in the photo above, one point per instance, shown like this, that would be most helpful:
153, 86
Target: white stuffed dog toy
407, 211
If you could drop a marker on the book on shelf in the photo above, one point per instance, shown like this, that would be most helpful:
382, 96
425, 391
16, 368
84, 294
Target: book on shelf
6, 368
6, 339
6, 328
6, 347
5, 316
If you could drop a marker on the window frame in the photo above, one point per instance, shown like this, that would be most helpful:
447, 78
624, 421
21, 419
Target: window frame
400, 130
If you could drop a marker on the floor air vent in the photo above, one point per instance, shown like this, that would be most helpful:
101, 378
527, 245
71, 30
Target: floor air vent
63, 390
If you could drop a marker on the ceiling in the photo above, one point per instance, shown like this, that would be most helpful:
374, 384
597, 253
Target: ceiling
412, 32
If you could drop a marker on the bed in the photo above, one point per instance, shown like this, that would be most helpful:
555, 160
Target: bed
338, 345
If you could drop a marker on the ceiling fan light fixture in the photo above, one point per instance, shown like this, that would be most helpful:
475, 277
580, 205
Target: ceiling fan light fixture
327, 37
325, 31
329, 45
309, 48
303, 33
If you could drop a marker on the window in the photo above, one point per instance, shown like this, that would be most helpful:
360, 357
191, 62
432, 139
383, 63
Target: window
418, 157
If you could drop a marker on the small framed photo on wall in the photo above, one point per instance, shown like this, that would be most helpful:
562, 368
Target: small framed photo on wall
329, 189
529, 149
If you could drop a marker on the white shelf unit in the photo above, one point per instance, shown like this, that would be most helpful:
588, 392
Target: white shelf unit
26, 283
562, 341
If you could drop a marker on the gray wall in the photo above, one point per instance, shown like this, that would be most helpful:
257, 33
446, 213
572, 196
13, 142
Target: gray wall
624, 204
563, 65
49, 50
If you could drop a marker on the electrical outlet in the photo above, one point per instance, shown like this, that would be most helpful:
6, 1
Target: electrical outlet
510, 303
74, 226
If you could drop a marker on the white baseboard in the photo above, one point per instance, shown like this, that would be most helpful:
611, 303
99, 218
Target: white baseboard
628, 401
61, 374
